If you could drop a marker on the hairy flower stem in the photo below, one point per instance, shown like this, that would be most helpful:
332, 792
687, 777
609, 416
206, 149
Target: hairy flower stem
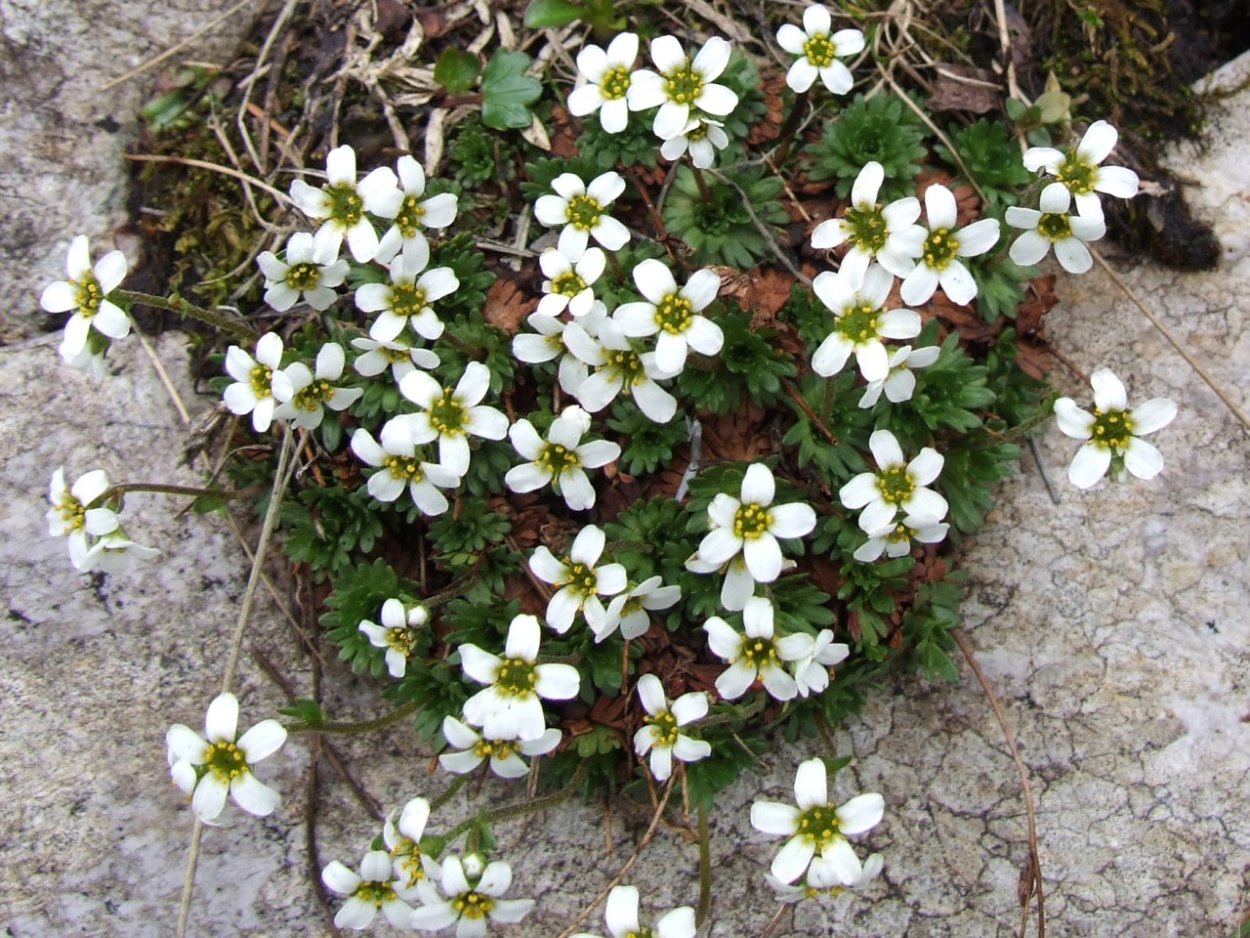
363, 726
705, 867
614, 262
789, 129
826, 402
457, 783
704, 192
1022, 430
176, 304
160, 488
473, 351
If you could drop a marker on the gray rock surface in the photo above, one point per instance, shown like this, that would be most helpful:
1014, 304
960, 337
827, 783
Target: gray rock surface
1112, 626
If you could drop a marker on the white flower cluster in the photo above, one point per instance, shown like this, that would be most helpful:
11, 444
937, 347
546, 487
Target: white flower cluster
96, 319
93, 530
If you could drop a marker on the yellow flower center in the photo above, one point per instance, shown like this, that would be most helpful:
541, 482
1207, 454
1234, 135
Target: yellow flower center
665, 728
88, 295
683, 85
673, 313
866, 228
584, 212
614, 83
262, 381
752, 521
407, 299
448, 415
472, 905
895, 485
408, 221
1054, 226
819, 825
1113, 429
567, 284
940, 248
346, 205
225, 760
558, 459
516, 678
859, 323
820, 50
303, 277
311, 397
1077, 174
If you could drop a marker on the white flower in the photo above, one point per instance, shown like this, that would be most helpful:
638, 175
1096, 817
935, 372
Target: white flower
661, 736
899, 383
939, 248
1113, 431
822, 879
629, 611
343, 202
580, 211
815, 826
874, 232
895, 485
894, 539
738, 585
415, 213
307, 270
113, 552
605, 82
504, 754
86, 293
860, 322
561, 459
757, 654
751, 525
702, 136
406, 299
396, 354
401, 467
1053, 225
621, 917
579, 583
376, 887
467, 905
682, 84
618, 368
1078, 170
403, 841
303, 395
570, 281
451, 416
819, 52
549, 344
210, 769
509, 708
252, 390
672, 314
398, 632
71, 515
811, 672
90, 358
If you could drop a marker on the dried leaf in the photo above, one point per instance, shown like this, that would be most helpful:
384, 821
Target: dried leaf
964, 88
507, 304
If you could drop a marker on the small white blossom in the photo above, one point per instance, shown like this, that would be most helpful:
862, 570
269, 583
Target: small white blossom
504, 754
396, 354
873, 231
86, 293
756, 655
579, 583
819, 51
560, 460
451, 416
1114, 432
403, 841
822, 880
375, 887
398, 633
1053, 225
252, 390
580, 211
816, 826
71, 515
402, 467
406, 299
1078, 170
860, 322
470, 901
630, 611
547, 343
811, 672
221, 762
662, 736
113, 552
682, 84
899, 383
894, 539
738, 585
702, 137
570, 281
619, 369
605, 82
509, 707
306, 270
896, 485
341, 205
621, 917
938, 250
672, 314
90, 358
415, 213
304, 394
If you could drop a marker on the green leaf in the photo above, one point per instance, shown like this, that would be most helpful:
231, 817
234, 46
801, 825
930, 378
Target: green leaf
551, 14
457, 70
507, 92
305, 710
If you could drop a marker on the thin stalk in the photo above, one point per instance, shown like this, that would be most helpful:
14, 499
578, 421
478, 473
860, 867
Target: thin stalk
449, 792
826, 402
705, 867
362, 726
176, 304
473, 351
790, 128
704, 192
163, 489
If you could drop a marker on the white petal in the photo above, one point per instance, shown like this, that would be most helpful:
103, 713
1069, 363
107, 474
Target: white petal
1089, 465
773, 817
861, 813
253, 796
1154, 414
939, 206
1143, 459
1109, 393
793, 859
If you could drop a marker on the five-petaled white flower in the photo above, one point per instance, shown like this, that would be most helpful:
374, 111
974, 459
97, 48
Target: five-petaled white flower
86, 293
811, 672
398, 632
894, 539
209, 769
580, 211
683, 84
252, 390
452, 415
561, 459
899, 383
938, 250
473, 897
509, 707
403, 841
757, 654
896, 485
1114, 432
672, 314
702, 136
1053, 225
873, 231
341, 205
816, 826
375, 887
304, 394
662, 736
751, 524
547, 343
306, 270
1078, 170
415, 213
504, 754
621, 917
819, 51
605, 82
618, 368
860, 322
630, 611
71, 515
579, 583
401, 466
570, 281
397, 354
822, 880
406, 299
113, 552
